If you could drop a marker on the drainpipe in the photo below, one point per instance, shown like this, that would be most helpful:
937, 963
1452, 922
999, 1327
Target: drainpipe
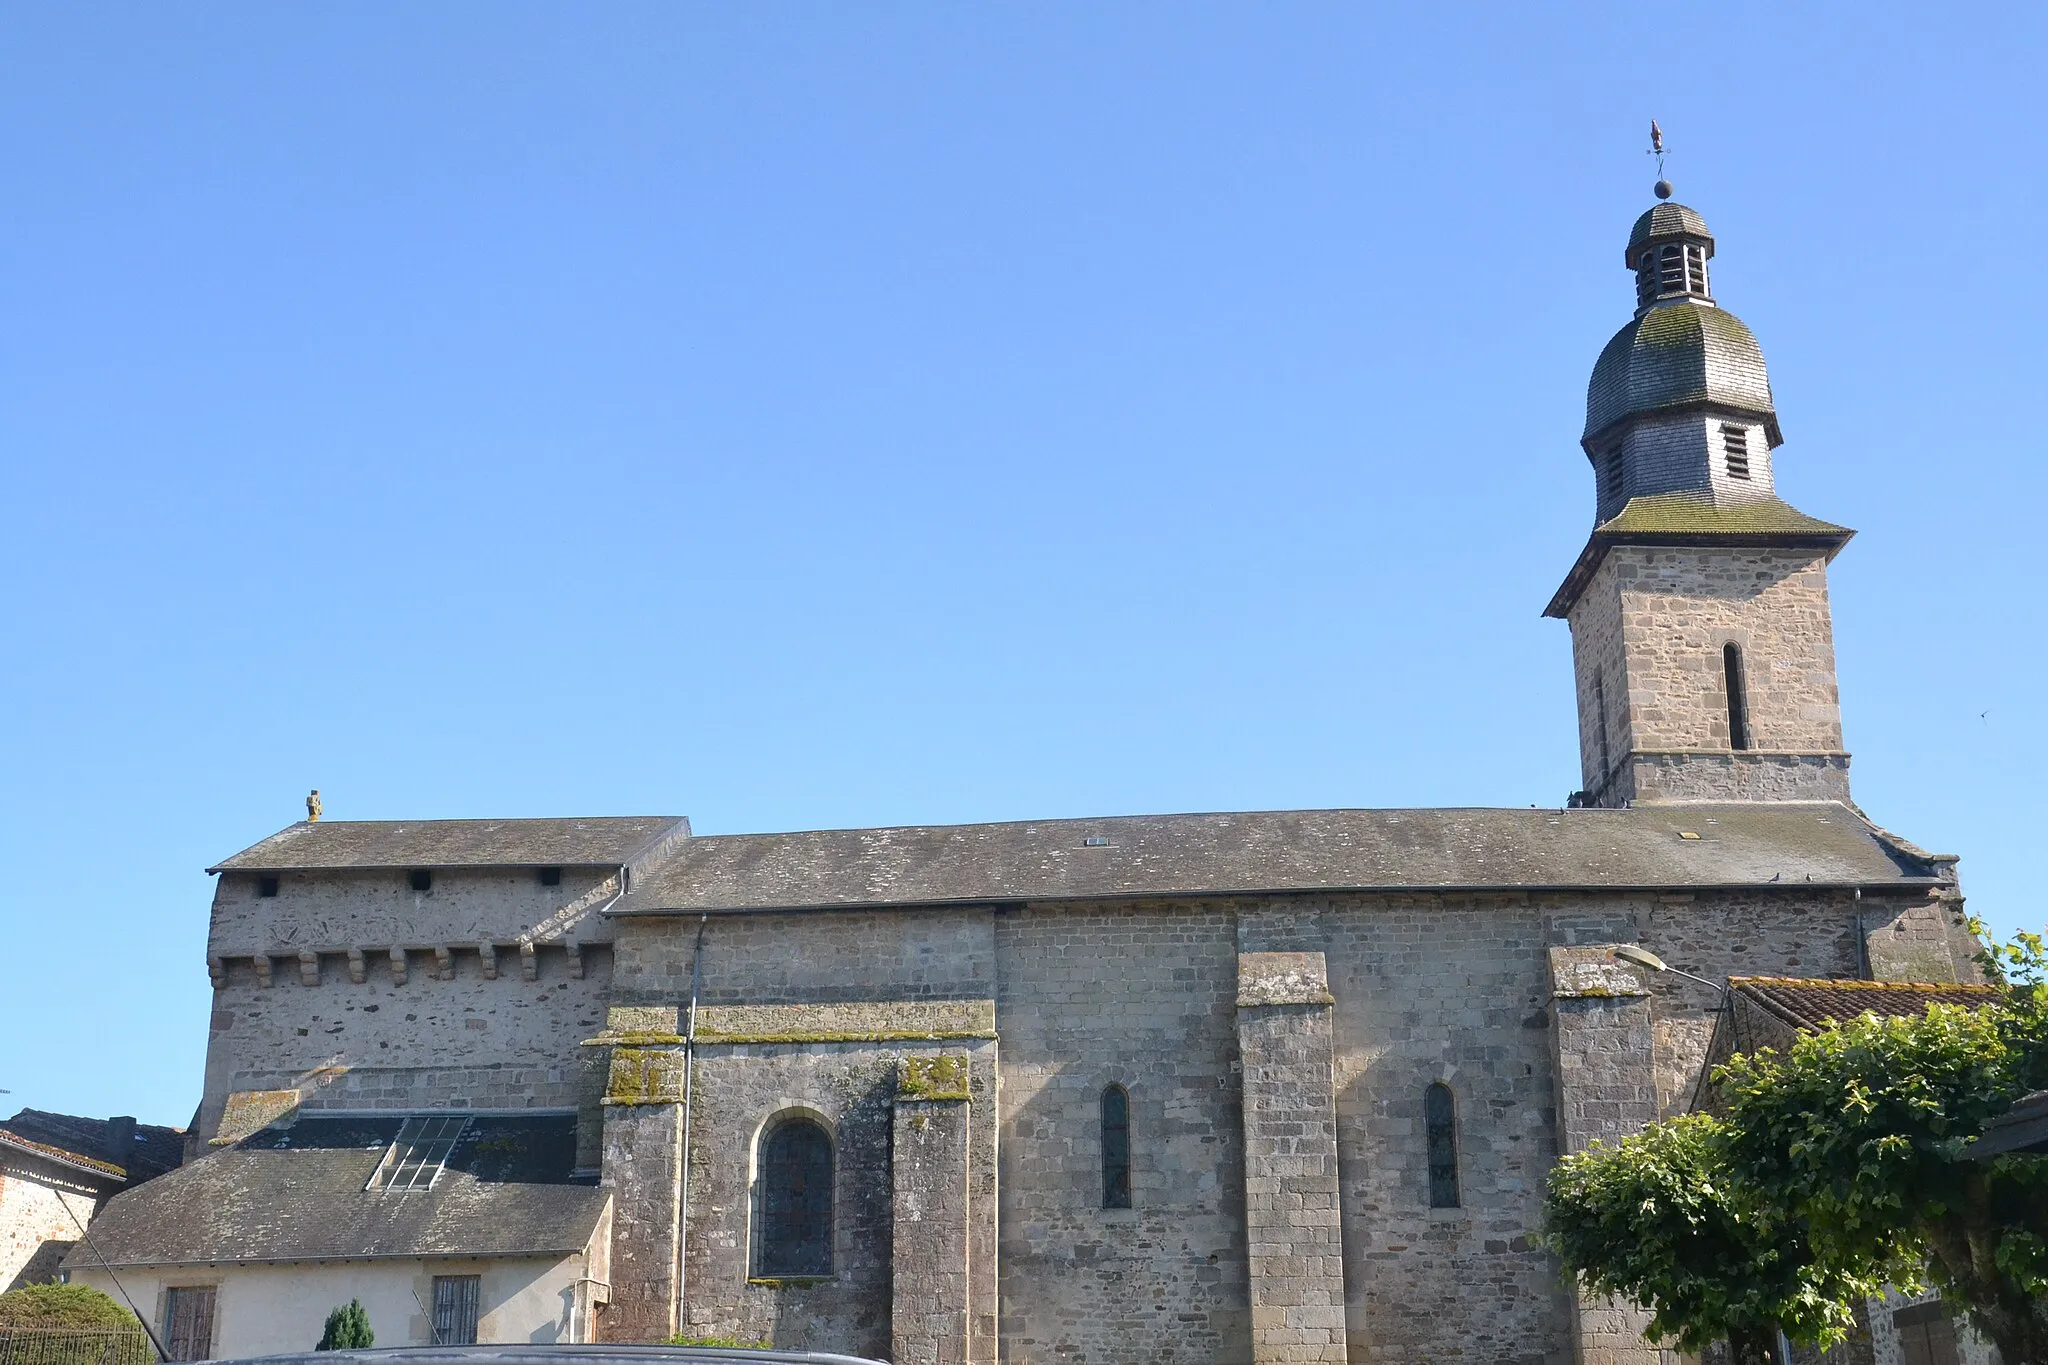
689, 1090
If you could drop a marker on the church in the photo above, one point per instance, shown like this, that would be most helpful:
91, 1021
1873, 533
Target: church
1267, 1086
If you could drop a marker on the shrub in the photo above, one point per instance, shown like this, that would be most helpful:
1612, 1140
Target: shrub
348, 1329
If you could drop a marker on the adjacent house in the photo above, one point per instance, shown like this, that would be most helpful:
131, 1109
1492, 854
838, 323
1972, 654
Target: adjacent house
450, 1227
56, 1170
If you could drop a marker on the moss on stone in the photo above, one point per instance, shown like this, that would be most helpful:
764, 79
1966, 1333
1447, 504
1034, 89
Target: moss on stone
943, 1077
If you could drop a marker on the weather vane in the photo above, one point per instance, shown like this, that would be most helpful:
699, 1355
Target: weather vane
1662, 188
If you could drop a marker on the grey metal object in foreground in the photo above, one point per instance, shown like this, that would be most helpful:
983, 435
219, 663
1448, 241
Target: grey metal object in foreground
556, 1355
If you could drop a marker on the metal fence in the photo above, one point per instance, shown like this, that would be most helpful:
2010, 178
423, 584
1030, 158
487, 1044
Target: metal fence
74, 1346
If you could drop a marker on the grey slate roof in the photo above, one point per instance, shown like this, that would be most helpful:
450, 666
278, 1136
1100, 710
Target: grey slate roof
294, 1192
1664, 220
150, 1150
1694, 519
1179, 855
1677, 355
339, 844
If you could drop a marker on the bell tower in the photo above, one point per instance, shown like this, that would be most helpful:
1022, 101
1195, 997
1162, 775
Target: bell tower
1701, 634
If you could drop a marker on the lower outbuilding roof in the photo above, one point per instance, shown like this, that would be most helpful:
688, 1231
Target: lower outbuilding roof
296, 1191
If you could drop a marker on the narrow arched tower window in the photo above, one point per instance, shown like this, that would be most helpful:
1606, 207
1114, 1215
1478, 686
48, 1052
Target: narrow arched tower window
1738, 697
1116, 1148
1600, 720
794, 1201
1440, 1119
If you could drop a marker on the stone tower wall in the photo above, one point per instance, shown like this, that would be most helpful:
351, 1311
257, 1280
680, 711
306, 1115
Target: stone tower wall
355, 991
1667, 612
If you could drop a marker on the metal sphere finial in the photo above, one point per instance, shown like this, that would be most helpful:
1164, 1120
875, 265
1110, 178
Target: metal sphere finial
1662, 189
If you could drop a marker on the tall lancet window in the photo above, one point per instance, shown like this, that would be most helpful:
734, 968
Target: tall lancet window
1738, 697
1116, 1148
1440, 1121
793, 1201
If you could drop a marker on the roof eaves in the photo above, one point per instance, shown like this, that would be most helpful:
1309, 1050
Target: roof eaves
87, 1164
1605, 537
1320, 889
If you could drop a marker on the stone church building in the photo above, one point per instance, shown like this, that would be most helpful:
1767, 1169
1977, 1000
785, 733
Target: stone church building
1268, 1086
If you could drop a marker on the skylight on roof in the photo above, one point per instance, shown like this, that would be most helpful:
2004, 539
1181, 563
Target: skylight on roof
417, 1155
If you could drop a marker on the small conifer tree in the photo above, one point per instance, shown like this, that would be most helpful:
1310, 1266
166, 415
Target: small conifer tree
347, 1329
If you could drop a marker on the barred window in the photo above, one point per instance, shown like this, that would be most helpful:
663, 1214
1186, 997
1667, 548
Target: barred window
795, 1201
188, 1322
1116, 1148
1738, 697
1440, 1120
455, 1309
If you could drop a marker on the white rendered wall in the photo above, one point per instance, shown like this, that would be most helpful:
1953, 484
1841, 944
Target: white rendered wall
265, 1309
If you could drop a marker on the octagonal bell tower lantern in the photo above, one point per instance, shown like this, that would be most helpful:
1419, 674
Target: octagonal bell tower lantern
1701, 636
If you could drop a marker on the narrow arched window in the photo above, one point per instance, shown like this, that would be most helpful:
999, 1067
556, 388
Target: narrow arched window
1440, 1120
1116, 1148
795, 1201
1600, 720
1738, 697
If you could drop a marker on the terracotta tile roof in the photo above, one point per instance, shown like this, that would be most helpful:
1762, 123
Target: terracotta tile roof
152, 1150
1809, 1004
93, 1165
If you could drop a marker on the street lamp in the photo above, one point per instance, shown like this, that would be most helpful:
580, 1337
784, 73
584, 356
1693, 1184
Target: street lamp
1643, 957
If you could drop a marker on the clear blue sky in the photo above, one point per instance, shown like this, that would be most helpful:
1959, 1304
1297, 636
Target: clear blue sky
814, 415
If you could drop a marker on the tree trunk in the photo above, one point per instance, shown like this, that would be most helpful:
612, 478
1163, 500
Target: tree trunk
1755, 1346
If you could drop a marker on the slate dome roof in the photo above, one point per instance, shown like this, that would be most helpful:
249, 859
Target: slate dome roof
1666, 220
1679, 355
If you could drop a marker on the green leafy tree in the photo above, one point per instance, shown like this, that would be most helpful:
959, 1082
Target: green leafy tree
1842, 1164
41, 1323
348, 1329
1864, 1128
1659, 1220
64, 1307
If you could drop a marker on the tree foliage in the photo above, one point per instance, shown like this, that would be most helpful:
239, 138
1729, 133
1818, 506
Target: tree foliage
1842, 1164
348, 1329
64, 1307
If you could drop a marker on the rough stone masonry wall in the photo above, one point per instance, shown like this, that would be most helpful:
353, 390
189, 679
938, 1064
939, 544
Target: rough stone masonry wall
801, 1014
1601, 669
463, 1040
360, 992
41, 1209
1294, 1238
1141, 996
1676, 607
1449, 988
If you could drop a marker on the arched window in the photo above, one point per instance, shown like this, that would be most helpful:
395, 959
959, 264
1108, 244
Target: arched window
1600, 719
794, 1200
1116, 1148
1738, 697
1440, 1120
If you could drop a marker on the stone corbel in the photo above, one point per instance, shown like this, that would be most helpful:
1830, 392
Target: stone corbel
529, 965
358, 969
575, 951
217, 969
309, 969
398, 966
487, 954
444, 963
262, 964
